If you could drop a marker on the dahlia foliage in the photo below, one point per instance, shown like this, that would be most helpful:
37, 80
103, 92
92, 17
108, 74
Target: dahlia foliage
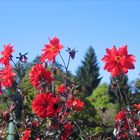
52, 106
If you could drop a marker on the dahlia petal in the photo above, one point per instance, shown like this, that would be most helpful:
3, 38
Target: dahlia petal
55, 41
123, 50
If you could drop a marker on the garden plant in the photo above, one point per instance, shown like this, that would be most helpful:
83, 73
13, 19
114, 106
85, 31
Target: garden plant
47, 109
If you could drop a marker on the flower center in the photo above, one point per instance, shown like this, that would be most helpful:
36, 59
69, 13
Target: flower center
118, 59
55, 106
45, 104
53, 48
74, 103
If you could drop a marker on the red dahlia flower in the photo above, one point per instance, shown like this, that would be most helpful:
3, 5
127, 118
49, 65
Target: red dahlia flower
75, 103
137, 106
127, 124
46, 105
7, 76
61, 88
121, 115
27, 134
51, 50
39, 76
118, 61
6, 54
123, 136
67, 127
138, 123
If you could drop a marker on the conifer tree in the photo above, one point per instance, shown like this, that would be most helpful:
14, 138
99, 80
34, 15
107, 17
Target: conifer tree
88, 73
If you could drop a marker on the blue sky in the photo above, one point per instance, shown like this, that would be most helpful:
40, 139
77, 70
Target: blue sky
77, 23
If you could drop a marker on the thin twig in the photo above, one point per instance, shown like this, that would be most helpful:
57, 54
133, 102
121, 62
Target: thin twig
80, 129
16, 68
63, 60
66, 67
68, 63
120, 92
53, 85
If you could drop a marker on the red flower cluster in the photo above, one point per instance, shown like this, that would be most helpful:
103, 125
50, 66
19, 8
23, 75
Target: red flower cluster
137, 106
61, 88
46, 105
39, 76
121, 115
6, 76
6, 54
127, 123
51, 50
118, 61
56, 105
27, 134
67, 127
75, 104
